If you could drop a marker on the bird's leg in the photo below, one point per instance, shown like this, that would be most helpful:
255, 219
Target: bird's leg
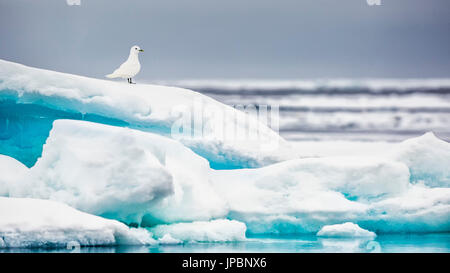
131, 81
128, 80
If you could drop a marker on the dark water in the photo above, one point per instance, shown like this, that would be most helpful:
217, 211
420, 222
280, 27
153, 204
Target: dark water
371, 110
423, 243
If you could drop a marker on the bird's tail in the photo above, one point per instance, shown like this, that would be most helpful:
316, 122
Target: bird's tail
111, 76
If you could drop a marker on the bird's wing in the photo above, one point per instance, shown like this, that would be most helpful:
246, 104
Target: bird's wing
125, 68
119, 72
122, 67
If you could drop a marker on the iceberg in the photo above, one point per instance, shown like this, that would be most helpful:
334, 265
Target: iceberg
28, 222
120, 173
348, 229
31, 99
80, 156
149, 180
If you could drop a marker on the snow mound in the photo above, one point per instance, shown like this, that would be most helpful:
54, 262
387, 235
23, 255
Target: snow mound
11, 172
41, 223
200, 231
420, 209
318, 189
167, 239
47, 95
428, 159
121, 173
344, 230
377, 193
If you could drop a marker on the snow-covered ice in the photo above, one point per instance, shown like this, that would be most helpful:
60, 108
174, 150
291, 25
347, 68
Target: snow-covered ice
28, 222
105, 148
167, 239
428, 159
382, 193
348, 229
154, 108
11, 172
139, 177
121, 173
221, 230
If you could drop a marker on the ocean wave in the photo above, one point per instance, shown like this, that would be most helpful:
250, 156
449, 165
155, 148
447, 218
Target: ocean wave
317, 86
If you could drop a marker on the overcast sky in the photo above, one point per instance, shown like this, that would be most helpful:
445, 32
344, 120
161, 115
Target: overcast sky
201, 39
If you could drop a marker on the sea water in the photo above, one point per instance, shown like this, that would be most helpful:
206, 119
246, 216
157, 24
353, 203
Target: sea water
342, 109
391, 243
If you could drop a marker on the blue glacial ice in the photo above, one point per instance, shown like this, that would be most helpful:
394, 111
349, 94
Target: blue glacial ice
105, 150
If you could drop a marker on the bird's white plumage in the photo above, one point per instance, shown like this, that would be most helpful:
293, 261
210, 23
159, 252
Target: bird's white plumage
130, 67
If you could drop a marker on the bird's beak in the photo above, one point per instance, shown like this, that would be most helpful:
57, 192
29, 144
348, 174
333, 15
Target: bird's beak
141, 50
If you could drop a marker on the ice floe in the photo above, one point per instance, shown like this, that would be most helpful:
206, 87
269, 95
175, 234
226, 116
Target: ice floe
344, 230
26, 222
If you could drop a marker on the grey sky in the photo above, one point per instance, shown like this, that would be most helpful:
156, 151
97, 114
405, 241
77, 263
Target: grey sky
231, 38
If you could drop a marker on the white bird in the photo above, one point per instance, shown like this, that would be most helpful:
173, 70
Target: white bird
130, 67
